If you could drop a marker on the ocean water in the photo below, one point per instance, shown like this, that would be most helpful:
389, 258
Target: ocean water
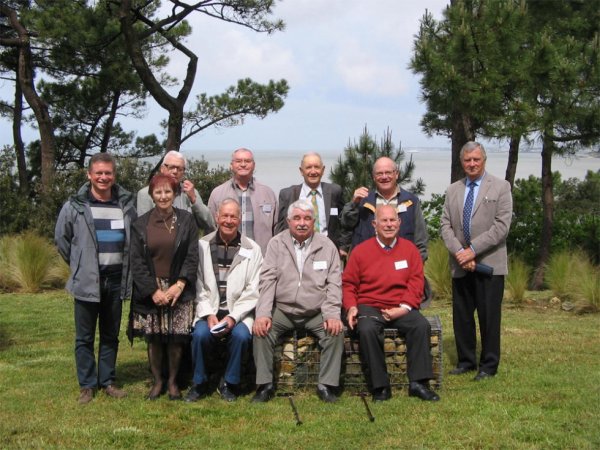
279, 169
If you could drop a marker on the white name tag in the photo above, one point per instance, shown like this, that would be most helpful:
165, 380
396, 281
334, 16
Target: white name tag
333, 212
402, 208
401, 264
319, 265
117, 224
267, 208
245, 252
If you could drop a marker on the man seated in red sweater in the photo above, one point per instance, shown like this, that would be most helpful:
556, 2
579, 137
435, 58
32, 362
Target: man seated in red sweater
382, 287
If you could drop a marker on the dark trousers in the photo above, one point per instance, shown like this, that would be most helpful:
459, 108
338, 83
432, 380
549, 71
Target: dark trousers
412, 326
481, 293
107, 313
203, 343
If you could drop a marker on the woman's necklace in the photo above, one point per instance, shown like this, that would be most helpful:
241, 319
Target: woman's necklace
173, 221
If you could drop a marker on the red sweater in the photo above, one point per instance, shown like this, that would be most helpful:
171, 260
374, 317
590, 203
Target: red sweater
383, 279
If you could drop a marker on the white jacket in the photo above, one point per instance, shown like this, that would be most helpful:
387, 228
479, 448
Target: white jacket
242, 282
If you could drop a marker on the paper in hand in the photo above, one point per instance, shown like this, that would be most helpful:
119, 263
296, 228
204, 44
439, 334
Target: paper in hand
219, 327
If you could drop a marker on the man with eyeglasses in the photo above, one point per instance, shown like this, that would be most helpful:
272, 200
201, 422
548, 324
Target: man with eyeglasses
257, 201
187, 198
359, 213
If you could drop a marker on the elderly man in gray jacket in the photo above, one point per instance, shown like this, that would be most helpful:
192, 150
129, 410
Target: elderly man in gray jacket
300, 288
92, 235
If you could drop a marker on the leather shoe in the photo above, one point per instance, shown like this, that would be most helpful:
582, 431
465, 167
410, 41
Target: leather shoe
196, 392
85, 395
113, 392
325, 394
264, 393
416, 389
226, 391
460, 370
482, 376
382, 394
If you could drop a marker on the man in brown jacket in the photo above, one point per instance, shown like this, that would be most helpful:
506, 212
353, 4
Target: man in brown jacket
300, 288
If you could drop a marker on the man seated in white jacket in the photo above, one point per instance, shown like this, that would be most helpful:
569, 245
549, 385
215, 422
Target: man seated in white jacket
227, 290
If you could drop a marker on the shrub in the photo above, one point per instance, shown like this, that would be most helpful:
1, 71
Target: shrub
30, 263
517, 279
557, 274
437, 270
585, 282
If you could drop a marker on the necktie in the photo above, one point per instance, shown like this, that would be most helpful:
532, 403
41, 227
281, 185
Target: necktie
468, 209
313, 195
387, 248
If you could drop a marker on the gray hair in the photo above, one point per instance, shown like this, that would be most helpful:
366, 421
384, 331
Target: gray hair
303, 205
176, 154
241, 149
470, 147
306, 155
228, 201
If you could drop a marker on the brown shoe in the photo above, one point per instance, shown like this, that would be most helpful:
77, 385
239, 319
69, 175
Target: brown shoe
85, 395
113, 392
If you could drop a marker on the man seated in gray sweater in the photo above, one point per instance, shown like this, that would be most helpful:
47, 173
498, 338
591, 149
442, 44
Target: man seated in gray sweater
300, 288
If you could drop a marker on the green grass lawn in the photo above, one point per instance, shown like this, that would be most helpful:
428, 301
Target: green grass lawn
546, 395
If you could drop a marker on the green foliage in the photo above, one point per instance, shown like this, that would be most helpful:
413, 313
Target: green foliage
354, 168
576, 218
432, 211
557, 274
437, 270
586, 279
205, 179
517, 279
30, 263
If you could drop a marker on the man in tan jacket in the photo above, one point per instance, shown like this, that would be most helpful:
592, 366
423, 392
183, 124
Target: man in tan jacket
300, 288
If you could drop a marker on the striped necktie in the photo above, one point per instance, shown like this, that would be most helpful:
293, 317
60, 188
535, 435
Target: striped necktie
468, 209
313, 199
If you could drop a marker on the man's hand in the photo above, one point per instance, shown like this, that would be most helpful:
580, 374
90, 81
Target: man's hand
464, 256
188, 188
211, 321
261, 326
333, 326
469, 266
351, 317
230, 325
359, 194
393, 313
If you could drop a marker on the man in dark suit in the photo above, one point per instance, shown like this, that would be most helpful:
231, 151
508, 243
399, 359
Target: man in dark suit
475, 223
326, 199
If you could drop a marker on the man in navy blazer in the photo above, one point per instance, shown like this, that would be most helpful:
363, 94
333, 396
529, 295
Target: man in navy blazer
474, 226
328, 197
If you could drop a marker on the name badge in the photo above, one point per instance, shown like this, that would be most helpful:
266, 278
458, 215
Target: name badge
245, 253
402, 208
333, 212
401, 264
117, 224
319, 265
267, 208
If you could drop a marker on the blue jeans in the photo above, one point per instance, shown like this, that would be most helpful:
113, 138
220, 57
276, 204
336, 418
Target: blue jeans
203, 341
107, 313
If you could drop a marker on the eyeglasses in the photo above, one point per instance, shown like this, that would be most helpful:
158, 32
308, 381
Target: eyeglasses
386, 174
174, 167
242, 161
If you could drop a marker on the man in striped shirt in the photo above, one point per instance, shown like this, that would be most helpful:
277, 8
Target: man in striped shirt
92, 236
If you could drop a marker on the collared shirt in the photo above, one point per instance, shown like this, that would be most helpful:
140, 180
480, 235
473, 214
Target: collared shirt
380, 200
475, 189
306, 193
301, 249
222, 255
245, 200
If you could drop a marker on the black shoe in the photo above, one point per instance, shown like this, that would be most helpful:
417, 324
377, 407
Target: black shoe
461, 370
326, 394
482, 376
264, 393
382, 394
196, 392
227, 391
416, 389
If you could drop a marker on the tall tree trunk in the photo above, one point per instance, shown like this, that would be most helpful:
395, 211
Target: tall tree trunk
25, 78
547, 212
18, 140
462, 131
513, 159
110, 121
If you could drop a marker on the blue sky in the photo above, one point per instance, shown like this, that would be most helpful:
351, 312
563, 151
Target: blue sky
346, 64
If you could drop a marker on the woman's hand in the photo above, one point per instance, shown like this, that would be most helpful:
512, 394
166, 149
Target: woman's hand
160, 298
174, 292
